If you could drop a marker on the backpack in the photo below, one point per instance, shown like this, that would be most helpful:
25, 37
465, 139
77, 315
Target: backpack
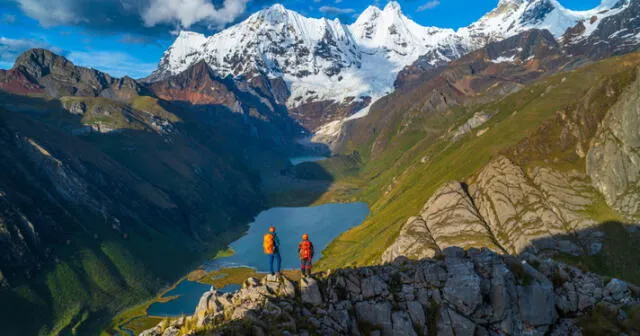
268, 243
306, 250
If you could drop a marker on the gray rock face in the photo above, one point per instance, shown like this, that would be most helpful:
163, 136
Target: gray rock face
473, 292
462, 288
402, 324
376, 316
478, 119
310, 292
617, 290
505, 209
448, 219
613, 160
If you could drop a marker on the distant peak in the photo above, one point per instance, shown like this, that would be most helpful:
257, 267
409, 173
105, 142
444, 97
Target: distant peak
371, 11
188, 33
277, 8
511, 3
185, 34
392, 6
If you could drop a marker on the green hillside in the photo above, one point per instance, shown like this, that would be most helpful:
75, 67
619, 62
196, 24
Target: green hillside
400, 179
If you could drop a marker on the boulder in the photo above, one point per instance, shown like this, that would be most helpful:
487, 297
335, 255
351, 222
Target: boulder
536, 303
374, 315
451, 323
374, 286
462, 288
402, 325
617, 290
310, 291
418, 317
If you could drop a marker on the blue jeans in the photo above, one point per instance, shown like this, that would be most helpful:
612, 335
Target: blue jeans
275, 256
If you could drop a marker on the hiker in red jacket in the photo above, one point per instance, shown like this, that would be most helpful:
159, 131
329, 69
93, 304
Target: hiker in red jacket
305, 251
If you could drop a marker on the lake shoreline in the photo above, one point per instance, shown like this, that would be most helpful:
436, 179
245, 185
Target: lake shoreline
221, 275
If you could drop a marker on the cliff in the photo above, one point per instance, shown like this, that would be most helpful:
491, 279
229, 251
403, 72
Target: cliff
473, 292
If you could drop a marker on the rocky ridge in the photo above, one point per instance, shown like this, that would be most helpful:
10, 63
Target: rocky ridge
473, 292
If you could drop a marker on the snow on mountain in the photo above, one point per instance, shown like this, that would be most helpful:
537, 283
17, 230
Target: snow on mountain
512, 17
325, 60
320, 59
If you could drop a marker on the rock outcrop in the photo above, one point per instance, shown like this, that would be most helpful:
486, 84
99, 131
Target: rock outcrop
473, 292
506, 209
613, 160
448, 219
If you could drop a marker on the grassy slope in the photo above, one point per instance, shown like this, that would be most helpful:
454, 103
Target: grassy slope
414, 182
85, 287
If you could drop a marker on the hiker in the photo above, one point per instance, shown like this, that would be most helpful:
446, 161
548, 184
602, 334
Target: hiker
271, 245
305, 251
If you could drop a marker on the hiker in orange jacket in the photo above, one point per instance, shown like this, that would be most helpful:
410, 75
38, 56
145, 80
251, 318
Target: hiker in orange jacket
305, 251
271, 245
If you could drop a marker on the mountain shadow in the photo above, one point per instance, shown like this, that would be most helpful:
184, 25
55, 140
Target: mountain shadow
103, 206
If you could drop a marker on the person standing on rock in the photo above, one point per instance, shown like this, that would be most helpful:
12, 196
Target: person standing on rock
305, 251
271, 245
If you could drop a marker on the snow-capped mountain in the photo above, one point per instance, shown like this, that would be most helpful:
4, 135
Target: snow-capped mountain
325, 60
320, 59
512, 17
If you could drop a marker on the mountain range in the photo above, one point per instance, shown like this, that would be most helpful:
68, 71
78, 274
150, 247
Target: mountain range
327, 62
517, 133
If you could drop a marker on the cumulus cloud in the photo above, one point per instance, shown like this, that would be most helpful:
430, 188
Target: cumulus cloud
115, 63
10, 49
187, 12
429, 5
147, 17
335, 10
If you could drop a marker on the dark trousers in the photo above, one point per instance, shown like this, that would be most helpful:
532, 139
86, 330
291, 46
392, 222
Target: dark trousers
274, 257
305, 264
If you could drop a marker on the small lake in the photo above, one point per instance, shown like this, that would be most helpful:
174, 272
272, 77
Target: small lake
323, 223
300, 159
189, 294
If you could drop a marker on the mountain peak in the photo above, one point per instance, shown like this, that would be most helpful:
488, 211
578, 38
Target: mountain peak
39, 62
278, 8
392, 6
276, 11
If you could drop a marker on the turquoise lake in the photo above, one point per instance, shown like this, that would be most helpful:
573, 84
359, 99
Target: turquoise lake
323, 223
300, 159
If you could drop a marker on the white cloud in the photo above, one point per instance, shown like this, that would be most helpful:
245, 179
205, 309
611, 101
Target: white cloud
429, 5
188, 12
51, 13
335, 10
115, 63
133, 15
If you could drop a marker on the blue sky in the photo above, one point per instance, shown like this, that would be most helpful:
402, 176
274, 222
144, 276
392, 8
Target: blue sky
128, 37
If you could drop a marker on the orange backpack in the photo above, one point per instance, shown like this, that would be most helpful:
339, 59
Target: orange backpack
268, 243
305, 249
